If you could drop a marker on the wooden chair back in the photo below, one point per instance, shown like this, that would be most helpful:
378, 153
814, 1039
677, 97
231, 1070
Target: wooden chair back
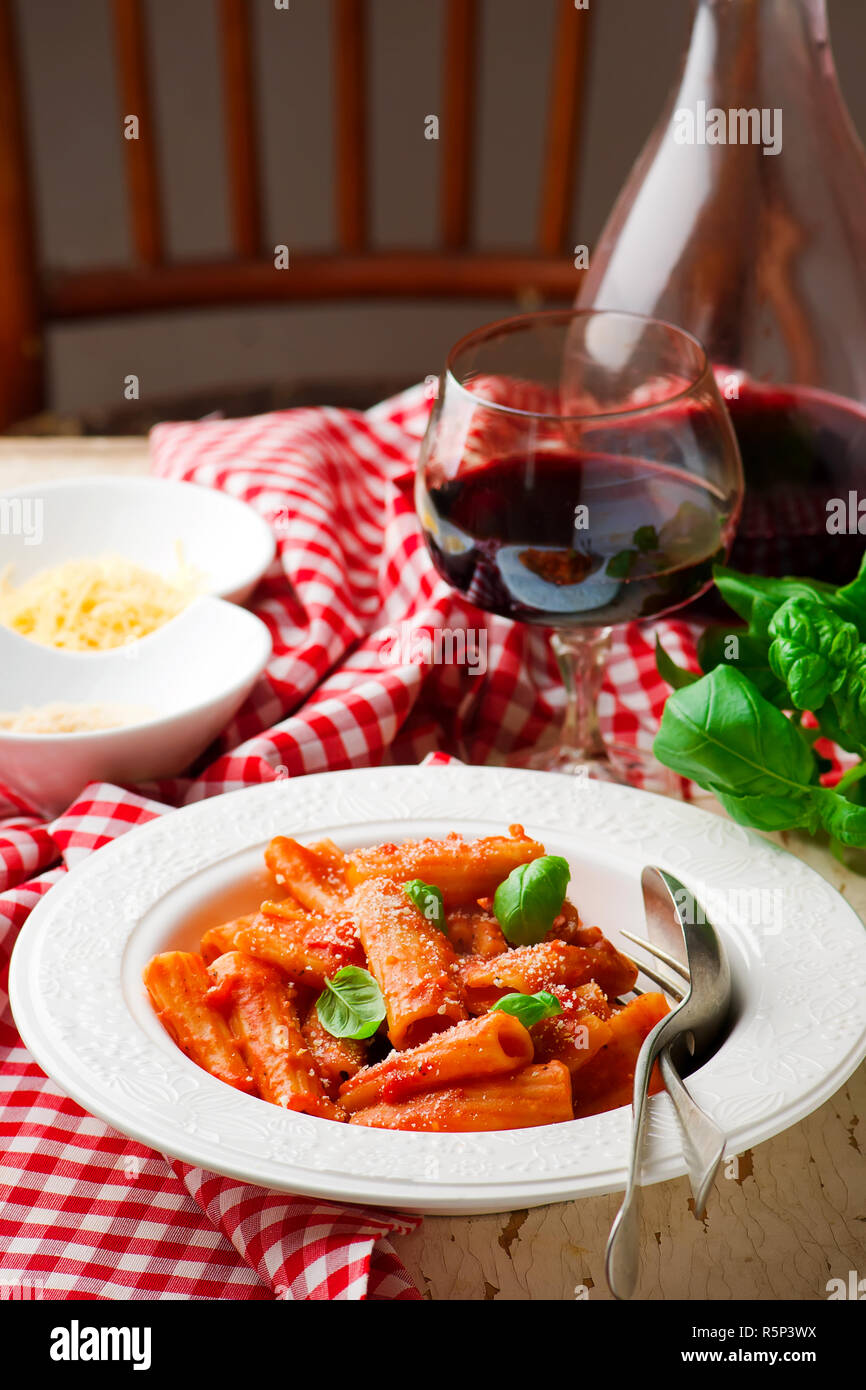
33, 297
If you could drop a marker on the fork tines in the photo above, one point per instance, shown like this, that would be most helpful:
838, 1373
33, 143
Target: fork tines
657, 976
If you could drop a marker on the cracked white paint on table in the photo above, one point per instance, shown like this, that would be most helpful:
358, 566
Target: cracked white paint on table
792, 1217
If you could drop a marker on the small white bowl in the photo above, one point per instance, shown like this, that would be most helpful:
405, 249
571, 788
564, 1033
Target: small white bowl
194, 673
142, 519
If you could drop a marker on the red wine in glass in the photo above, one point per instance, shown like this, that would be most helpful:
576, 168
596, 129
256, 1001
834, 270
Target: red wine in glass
569, 539
579, 471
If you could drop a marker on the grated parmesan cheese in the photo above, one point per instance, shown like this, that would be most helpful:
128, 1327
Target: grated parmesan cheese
95, 604
60, 718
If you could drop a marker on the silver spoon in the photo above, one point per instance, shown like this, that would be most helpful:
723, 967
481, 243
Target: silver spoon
703, 1140
675, 918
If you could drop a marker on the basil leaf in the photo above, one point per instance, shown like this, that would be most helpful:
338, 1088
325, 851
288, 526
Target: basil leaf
824, 809
721, 645
787, 811
850, 601
351, 1004
818, 656
528, 1008
723, 734
841, 818
669, 671
428, 901
528, 901
812, 651
830, 727
756, 597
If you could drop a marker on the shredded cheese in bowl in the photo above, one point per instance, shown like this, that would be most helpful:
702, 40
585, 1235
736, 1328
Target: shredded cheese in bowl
95, 604
62, 718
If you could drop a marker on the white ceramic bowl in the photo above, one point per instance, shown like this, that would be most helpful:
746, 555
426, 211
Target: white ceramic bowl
194, 673
142, 519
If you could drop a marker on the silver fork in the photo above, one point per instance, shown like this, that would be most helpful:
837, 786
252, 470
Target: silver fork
703, 1140
700, 1012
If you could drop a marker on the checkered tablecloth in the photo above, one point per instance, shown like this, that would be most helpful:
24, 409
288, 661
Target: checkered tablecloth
88, 1213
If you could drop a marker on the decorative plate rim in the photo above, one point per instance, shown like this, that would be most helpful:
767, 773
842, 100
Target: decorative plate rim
801, 1034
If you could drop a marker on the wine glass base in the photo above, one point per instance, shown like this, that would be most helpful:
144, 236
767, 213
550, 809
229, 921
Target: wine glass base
620, 763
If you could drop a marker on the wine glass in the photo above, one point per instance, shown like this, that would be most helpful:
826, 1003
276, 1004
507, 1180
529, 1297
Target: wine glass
579, 470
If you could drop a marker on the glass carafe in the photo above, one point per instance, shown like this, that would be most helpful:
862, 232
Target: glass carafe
744, 221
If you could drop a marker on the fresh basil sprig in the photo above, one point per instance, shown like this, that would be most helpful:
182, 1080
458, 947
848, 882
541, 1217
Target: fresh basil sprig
531, 897
723, 734
428, 900
757, 598
822, 663
351, 1004
738, 729
528, 1008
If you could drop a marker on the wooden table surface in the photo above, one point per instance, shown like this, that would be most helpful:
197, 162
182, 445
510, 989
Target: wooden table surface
782, 1221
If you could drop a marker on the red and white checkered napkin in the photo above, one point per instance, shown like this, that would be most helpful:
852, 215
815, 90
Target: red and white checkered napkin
85, 1212
88, 1213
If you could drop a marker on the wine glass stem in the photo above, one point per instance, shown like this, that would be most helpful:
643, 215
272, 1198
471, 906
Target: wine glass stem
581, 656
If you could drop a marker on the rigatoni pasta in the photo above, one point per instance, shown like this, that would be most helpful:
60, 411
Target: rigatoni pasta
335, 1059
306, 947
413, 963
535, 1095
488, 1046
435, 985
463, 870
314, 876
178, 985
580, 1031
606, 1081
261, 1013
530, 968
217, 940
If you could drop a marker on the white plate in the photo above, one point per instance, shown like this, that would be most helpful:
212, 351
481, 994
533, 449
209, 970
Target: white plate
78, 1000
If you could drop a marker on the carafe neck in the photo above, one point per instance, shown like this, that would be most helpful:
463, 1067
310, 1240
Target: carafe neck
743, 50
